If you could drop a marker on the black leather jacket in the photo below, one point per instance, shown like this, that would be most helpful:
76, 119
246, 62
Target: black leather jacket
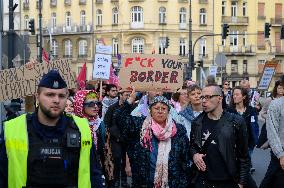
232, 142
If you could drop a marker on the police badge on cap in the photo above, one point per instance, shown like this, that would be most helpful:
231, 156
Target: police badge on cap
52, 80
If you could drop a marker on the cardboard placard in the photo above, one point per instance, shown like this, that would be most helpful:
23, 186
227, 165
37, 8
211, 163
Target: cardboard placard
20, 82
151, 72
267, 74
102, 65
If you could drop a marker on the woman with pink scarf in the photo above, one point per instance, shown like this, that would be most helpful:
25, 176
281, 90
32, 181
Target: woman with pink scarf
87, 105
158, 147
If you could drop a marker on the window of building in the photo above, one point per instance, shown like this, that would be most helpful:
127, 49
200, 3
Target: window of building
83, 47
223, 8
162, 15
245, 66
261, 7
115, 15
278, 42
26, 20
233, 38
278, 13
162, 45
82, 18
138, 45
223, 42
182, 45
234, 9
137, 14
53, 20
245, 39
260, 40
54, 46
99, 17
202, 16
68, 19
234, 66
244, 9
261, 61
202, 48
182, 15
114, 47
68, 48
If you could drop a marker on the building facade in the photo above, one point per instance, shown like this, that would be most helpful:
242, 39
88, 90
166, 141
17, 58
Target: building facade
75, 27
247, 51
67, 30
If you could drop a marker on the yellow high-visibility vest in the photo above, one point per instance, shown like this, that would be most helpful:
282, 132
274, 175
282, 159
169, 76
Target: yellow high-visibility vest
16, 142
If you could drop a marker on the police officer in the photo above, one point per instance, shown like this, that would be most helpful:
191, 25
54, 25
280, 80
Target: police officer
48, 148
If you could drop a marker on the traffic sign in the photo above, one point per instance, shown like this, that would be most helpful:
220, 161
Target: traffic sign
221, 60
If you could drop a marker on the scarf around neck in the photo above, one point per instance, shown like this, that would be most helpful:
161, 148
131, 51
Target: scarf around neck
164, 135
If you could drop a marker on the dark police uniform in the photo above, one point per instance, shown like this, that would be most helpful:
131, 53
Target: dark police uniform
53, 151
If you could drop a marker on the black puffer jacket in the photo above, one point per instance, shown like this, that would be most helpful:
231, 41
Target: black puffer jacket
232, 136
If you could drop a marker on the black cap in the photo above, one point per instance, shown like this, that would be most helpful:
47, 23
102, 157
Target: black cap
52, 80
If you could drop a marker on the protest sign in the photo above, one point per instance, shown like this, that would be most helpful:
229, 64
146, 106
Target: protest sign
267, 74
151, 72
100, 49
102, 66
20, 82
213, 70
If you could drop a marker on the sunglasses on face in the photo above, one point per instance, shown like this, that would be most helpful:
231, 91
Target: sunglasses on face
92, 104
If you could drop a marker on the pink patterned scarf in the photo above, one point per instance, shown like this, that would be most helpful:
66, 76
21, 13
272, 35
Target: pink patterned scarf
94, 122
164, 135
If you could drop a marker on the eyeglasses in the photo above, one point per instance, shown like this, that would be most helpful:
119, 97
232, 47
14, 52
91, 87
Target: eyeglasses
226, 84
207, 97
113, 90
92, 104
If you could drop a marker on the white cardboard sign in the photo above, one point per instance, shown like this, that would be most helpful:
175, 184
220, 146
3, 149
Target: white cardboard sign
100, 49
102, 66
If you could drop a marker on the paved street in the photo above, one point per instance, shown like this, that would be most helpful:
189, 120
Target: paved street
260, 159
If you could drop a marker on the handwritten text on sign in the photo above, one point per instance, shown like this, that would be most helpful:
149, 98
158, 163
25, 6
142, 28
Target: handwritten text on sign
267, 75
102, 66
151, 72
20, 82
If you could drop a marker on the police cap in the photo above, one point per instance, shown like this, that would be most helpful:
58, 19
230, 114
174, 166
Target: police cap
52, 80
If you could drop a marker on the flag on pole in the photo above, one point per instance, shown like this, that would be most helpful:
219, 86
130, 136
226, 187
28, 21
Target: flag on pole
81, 79
45, 56
113, 79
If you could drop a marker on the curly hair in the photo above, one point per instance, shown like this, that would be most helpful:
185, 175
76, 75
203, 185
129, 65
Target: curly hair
274, 91
244, 94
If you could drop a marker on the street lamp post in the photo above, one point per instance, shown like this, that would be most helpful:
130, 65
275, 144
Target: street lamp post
190, 55
40, 31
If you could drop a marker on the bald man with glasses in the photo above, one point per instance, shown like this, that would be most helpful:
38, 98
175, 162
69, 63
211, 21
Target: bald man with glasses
218, 144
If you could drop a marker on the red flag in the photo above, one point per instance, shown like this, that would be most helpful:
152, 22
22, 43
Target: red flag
45, 55
113, 79
81, 79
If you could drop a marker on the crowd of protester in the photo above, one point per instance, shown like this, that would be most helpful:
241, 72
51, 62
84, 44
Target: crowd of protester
194, 137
